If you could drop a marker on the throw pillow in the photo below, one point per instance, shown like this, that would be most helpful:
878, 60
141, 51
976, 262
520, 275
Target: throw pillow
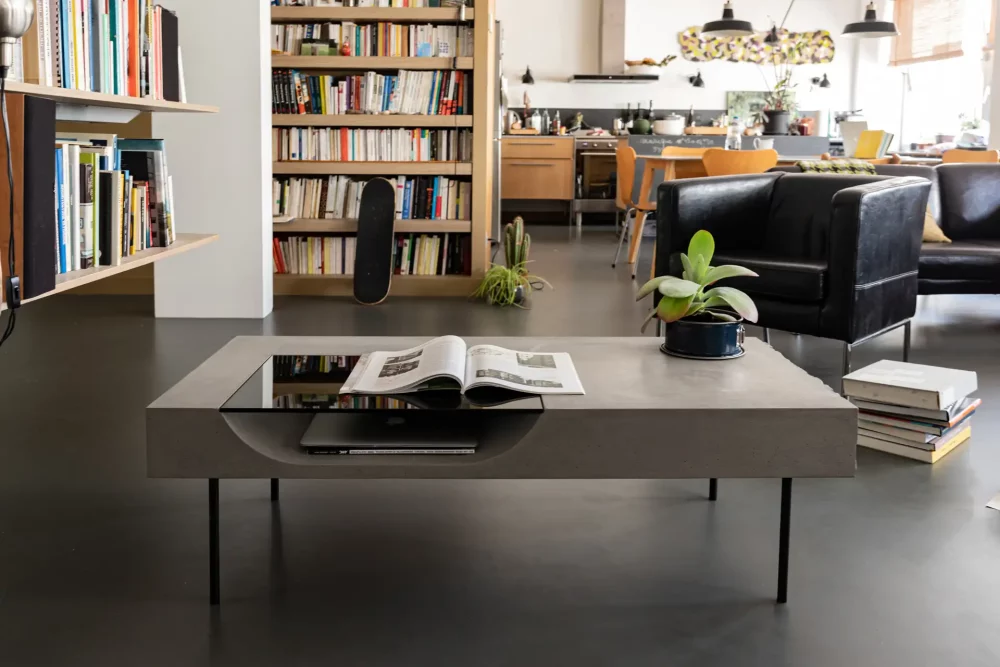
836, 167
933, 233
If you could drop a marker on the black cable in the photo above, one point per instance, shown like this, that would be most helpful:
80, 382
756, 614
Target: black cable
11, 259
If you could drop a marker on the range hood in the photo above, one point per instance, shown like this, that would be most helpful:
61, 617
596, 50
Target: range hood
612, 51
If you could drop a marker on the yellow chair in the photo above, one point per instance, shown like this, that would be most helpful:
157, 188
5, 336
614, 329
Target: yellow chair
719, 162
625, 157
958, 156
686, 169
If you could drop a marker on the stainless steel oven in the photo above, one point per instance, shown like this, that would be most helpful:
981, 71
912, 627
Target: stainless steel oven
595, 176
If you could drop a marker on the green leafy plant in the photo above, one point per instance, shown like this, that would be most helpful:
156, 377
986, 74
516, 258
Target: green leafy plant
693, 295
781, 97
501, 283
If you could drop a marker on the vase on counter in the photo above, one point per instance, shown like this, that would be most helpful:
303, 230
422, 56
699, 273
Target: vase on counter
777, 122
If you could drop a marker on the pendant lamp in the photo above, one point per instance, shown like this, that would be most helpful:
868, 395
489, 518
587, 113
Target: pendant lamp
871, 27
728, 25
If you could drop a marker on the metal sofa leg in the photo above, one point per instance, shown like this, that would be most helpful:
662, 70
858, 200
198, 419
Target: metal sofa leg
848, 348
767, 335
907, 331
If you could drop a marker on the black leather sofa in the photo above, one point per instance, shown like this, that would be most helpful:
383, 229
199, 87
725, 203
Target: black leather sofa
837, 256
965, 200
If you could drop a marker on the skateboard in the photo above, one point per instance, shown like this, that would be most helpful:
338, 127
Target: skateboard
376, 242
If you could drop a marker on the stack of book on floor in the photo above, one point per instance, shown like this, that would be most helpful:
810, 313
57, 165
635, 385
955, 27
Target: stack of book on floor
918, 412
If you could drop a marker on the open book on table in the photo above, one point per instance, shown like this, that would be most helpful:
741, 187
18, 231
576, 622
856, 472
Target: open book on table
448, 363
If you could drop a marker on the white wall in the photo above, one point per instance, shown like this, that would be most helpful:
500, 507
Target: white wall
559, 38
221, 163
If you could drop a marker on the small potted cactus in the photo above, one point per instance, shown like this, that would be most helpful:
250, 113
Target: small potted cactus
509, 284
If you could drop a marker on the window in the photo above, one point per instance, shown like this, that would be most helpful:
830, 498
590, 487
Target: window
928, 30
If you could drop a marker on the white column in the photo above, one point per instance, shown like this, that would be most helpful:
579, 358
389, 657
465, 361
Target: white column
220, 163
993, 104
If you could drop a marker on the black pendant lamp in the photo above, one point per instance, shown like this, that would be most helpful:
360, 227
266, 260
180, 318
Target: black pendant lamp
871, 27
697, 81
728, 25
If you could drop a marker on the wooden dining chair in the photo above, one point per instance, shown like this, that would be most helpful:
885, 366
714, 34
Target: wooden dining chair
692, 169
625, 158
720, 162
959, 155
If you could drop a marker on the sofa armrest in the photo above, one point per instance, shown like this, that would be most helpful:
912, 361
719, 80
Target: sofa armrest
733, 208
874, 255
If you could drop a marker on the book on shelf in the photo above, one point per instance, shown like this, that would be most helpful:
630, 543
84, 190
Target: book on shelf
383, 39
918, 412
414, 254
321, 144
339, 197
113, 198
118, 47
436, 93
370, 3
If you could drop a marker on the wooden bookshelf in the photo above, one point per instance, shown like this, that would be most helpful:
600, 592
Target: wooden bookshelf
407, 286
89, 99
350, 226
363, 14
482, 66
372, 168
74, 279
370, 120
312, 63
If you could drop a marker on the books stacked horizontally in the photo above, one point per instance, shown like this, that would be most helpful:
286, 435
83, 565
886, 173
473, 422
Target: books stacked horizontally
119, 47
322, 144
873, 144
113, 198
392, 40
431, 93
919, 412
339, 197
415, 255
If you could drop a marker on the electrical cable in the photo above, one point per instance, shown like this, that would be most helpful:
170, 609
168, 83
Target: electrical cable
11, 259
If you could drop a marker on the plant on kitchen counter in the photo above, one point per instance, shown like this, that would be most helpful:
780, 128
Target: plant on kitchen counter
509, 285
779, 102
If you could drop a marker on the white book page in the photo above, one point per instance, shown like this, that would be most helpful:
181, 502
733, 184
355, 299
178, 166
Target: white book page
531, 372
400, 372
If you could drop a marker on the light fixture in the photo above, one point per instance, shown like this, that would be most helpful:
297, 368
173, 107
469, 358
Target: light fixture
728, 25
822, 83
697, 81
772, 36
871, 27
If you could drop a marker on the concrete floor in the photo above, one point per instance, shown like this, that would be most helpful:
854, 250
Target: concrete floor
101, 567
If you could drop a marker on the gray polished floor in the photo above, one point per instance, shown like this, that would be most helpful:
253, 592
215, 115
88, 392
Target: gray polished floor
101, 567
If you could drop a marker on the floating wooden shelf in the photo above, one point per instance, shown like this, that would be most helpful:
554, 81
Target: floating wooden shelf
88, 99
368, 62
394, 14
284, 388
349, 226
73, 279
447, 286
369, 120
373, 168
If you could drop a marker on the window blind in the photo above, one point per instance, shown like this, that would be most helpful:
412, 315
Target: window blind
928, 30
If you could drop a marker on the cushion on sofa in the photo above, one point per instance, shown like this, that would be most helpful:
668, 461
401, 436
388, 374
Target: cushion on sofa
933, 233
961, 260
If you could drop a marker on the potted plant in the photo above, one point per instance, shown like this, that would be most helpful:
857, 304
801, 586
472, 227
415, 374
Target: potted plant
510, 284
703, 322
779, 103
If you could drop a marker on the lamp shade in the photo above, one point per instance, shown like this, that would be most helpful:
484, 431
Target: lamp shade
728, 25
871, 27
697, 81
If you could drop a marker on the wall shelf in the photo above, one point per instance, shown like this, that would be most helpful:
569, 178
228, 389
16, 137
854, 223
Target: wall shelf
368, 63
394, 14
85, 98
350, 226
373, 168
73, 279
444, 286
369, 120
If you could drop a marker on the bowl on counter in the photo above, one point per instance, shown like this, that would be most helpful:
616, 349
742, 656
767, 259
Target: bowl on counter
670, 125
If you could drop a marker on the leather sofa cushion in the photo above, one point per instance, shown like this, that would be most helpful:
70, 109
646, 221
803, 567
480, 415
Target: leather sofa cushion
803, 281
961, 260
969, 202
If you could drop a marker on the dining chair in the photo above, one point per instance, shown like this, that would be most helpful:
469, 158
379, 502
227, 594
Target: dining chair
720, 162
625, 157
959, 155
687, 169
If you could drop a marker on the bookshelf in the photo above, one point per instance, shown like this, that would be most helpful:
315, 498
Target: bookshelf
85, 98
482, 68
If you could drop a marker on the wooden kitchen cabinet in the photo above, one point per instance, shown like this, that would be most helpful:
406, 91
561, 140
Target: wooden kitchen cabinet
538, 168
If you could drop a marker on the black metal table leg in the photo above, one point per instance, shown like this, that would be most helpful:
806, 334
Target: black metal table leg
713, 489
786, 519
213, 541
274, 490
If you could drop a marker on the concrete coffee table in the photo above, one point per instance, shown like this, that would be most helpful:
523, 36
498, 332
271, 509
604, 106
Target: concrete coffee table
645, 416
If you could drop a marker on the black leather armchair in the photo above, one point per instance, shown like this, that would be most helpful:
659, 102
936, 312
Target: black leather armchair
837, 255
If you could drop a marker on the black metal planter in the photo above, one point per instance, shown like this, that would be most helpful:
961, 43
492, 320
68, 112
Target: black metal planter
705, 338
777, 123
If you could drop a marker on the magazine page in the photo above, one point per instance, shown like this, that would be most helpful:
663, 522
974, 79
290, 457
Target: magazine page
529, 372
438, 364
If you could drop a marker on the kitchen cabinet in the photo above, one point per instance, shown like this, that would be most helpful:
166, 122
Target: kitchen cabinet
537, 168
